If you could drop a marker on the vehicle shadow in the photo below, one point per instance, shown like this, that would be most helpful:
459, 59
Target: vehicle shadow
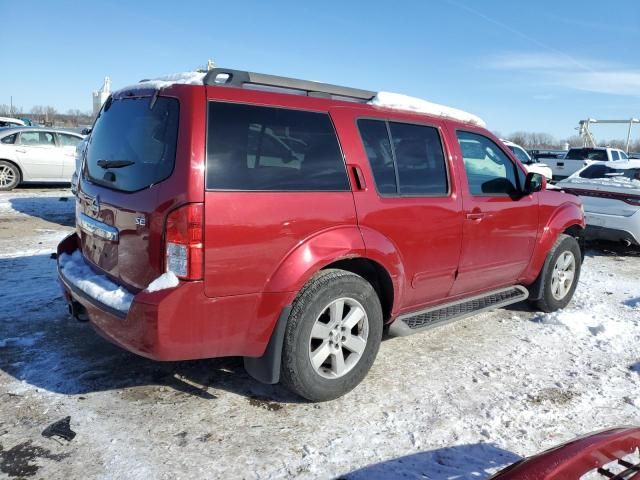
603, 248
474, 461
57, 209
42, 346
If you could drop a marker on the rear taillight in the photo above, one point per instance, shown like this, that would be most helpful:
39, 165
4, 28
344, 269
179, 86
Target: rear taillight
184, 233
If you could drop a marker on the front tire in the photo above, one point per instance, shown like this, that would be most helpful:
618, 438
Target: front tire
9, 176
332, 336
560, 274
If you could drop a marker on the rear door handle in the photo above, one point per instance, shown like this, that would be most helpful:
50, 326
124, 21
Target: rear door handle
475, 216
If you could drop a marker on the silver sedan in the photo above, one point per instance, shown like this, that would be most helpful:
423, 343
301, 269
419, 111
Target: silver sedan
32, 154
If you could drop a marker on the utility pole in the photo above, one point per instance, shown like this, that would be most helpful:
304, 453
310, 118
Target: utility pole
11, 107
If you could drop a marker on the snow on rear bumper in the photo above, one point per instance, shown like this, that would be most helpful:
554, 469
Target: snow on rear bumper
613, 227
182, 323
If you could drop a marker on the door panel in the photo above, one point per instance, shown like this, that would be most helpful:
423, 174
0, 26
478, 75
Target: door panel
426, 230
39, 155
500, 229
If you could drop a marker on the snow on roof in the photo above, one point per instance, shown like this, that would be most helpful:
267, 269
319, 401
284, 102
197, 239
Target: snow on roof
184, 78
399, 101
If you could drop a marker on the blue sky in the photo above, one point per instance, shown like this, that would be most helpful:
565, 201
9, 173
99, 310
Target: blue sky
537, 66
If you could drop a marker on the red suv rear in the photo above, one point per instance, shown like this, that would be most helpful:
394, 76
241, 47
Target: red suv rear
290, 222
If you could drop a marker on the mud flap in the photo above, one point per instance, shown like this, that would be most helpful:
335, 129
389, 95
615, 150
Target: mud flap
266, 369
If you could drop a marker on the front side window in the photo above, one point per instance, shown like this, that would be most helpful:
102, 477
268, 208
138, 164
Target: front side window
133, 143
489, 170
272, 149
406, 159
624, 156
37, 139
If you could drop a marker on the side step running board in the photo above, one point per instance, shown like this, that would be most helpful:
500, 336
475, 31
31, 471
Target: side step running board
415, 322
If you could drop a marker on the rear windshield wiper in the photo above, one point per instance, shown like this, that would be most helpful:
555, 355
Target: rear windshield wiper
114, 163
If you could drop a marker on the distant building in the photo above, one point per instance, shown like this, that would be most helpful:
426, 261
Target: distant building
100, 96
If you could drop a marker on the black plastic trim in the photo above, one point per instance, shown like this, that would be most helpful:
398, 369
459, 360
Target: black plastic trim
237, 78
266, 369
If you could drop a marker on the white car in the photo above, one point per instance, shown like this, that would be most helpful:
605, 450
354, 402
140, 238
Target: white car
530, 164
579, 157
11, 122
610, 194
33, 154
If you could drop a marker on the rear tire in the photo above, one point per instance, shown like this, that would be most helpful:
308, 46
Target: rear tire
332, 336
560, 274
9, 176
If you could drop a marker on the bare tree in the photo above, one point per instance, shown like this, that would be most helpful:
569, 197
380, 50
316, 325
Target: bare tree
5, 110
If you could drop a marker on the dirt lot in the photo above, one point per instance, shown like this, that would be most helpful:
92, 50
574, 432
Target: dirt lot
457, 402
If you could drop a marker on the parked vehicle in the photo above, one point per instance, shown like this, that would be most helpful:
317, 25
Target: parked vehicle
576, 158
11, 122
291, 222
610, 193
530, 164
29, 154
609, 454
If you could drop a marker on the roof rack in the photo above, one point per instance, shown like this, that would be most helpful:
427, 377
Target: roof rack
225, 77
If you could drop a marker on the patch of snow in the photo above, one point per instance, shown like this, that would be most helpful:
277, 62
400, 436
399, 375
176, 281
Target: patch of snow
399, 101
77, 271
615, 182
164, 281
185, 78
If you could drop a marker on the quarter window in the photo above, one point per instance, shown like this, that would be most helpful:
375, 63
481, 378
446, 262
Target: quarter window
406, 159
489, 170
10, 139
274, 149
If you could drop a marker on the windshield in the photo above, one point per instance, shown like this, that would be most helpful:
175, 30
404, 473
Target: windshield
586, 154
133, 145
520, 154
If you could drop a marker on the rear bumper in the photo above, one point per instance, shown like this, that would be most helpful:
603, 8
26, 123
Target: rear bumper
613, 227
182, 323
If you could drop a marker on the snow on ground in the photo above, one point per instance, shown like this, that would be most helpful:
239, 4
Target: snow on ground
458, 402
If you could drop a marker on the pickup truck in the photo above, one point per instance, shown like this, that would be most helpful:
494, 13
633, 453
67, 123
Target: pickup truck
577, 158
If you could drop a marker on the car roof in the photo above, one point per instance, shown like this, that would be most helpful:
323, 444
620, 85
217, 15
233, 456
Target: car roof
11, 130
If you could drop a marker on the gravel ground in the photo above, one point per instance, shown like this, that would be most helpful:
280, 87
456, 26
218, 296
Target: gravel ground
457, 402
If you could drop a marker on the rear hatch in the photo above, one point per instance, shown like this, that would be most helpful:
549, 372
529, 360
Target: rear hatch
127, 187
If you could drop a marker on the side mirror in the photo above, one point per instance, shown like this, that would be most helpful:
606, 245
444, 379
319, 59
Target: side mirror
86, 131
534, 182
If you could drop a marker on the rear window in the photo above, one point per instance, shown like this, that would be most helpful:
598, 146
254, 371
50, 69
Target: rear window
604, 171
9, 139
133, 143
586, 154
272, 149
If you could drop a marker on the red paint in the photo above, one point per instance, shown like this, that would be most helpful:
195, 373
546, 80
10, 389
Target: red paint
576, 458
260, 248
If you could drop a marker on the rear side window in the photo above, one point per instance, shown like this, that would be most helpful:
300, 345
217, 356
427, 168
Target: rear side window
587, 154
272, 149
68, 140
598, 171
406, 159
133, 144
615, 155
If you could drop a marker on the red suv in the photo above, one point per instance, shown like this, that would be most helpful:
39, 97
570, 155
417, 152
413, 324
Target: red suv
293, 222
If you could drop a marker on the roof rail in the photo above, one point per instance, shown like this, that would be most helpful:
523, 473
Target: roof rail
225, 77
